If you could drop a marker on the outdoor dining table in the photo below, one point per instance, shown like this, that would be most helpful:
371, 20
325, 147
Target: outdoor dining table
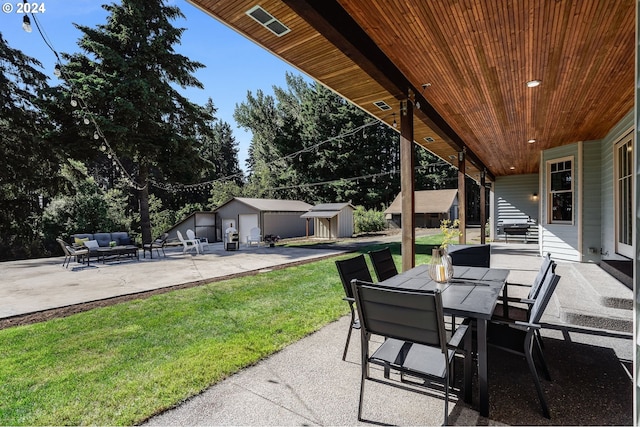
473, 293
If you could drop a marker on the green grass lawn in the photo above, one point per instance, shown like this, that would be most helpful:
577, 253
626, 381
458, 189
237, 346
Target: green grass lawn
121, 364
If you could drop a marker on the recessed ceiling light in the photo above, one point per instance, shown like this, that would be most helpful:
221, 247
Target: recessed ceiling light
533, 83
531, 141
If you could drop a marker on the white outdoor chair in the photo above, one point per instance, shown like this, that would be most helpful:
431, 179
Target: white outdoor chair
192, 236
255, 236
188, 244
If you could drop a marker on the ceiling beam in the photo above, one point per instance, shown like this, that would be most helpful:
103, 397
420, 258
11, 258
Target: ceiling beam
336, 25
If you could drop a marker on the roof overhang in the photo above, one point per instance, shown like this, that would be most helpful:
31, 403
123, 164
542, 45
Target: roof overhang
466, 64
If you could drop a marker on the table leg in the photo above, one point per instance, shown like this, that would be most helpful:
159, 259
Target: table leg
505, 301
483, 383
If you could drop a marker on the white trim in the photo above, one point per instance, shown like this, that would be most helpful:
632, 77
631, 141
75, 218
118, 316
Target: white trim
621, 248
580, 212
547, 191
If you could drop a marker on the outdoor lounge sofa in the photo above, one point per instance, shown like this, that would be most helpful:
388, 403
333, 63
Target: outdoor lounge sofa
102, 248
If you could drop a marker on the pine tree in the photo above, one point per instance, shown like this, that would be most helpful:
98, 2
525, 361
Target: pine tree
28, 163
125, 78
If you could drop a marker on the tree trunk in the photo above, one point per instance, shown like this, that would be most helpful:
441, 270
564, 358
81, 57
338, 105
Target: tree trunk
143, 201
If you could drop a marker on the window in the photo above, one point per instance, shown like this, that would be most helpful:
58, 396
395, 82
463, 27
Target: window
561, 191
623, 168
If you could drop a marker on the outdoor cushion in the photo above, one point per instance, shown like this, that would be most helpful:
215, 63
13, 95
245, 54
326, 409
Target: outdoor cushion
121, 238
103, 239
82, 236
79, 242
91, 244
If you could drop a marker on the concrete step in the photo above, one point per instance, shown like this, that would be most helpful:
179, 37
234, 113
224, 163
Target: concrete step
588, 296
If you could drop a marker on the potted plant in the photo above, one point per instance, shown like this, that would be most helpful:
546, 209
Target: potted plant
271, 239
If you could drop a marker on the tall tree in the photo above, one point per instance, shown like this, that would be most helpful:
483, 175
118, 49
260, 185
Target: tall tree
218, 148
125, 79
28, 163
311, 144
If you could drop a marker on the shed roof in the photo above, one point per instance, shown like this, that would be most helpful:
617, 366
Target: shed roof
427, 201
320, 214
331, 206
273, 204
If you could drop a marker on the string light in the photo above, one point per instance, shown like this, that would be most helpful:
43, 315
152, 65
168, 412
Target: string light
26, 24
76, 100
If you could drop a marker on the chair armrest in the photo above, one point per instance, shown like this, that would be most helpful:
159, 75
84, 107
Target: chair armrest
348, 299
521, 300
526, 325
458, 335
524, 285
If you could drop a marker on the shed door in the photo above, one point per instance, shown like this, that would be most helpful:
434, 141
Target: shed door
245, 223
624, 196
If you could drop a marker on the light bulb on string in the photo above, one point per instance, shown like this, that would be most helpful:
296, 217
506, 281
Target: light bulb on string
74, 102
56, 71
96, 136
26, 24
86, 120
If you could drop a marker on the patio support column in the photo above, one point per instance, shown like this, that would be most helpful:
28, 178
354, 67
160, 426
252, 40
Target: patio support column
462, 202
407, 163
483, 207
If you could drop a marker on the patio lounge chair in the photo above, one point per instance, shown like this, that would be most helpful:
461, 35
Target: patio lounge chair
349, 269
383, 264
70, 252
192, 236
412, 323
157, 244
255, 236
520, 337
188, 245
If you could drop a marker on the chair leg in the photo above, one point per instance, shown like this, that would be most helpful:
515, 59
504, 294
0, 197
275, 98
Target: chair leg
351, 326
543, 363
446, 397
346, 344
534, 373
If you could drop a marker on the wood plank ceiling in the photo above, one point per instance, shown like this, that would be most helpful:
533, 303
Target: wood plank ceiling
467, 62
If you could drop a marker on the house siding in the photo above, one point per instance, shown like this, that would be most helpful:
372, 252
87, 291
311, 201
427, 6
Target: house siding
514, 199
591, 201
608, 233
285, 224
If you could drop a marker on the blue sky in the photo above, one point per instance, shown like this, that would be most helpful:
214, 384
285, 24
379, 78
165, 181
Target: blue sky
234, 65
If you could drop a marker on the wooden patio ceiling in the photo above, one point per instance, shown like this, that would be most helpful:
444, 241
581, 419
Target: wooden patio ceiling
467, 63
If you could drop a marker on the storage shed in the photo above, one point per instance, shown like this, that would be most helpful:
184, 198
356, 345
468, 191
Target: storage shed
431, 207
272, 216
331, 220
203, 223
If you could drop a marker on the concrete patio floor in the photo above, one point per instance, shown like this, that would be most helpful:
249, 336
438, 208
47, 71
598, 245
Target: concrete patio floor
307, 383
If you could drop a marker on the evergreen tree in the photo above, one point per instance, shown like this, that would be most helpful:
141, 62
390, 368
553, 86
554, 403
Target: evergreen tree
29, 165
306, 137
126, 79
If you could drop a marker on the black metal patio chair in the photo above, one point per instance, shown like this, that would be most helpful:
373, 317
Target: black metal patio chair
415, 345
349, 269
383, 264
520, 337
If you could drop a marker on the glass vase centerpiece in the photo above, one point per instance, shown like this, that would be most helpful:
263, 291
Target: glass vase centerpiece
440, 267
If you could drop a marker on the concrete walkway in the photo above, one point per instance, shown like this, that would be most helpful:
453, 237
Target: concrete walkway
307, 383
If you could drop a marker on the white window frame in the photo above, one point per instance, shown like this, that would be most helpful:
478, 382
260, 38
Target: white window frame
622, 248
550, 193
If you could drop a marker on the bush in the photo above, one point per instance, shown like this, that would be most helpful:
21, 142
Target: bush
367, 221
